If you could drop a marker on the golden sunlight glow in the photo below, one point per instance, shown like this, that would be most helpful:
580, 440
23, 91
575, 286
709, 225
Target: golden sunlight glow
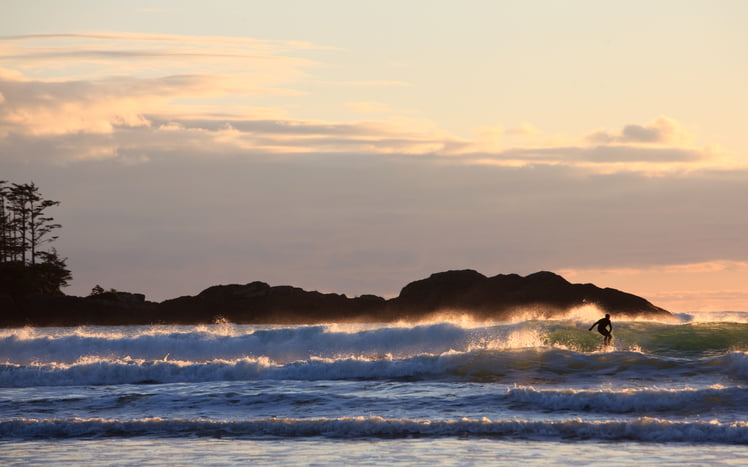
704, 286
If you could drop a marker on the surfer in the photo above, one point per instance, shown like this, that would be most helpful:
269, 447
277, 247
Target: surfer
604, 327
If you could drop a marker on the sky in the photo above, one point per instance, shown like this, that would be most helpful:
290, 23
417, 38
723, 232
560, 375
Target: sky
353, 147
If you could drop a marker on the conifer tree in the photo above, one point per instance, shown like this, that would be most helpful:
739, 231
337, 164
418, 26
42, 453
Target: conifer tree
24, 229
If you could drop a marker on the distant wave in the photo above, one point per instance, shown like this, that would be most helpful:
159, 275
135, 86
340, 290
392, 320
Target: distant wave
680, 401
517, 366
715, 402
642, 429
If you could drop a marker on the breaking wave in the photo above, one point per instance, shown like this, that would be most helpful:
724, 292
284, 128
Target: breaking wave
509, 352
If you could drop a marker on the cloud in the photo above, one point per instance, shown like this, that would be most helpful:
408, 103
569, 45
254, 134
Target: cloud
143, 113
603, 154
91, 56
36, 107
124, 85
66, 108
662, 130
244, 44
88, 97
661, 146
44, 108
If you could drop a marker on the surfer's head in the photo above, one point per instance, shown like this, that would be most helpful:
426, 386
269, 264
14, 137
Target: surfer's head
607, 316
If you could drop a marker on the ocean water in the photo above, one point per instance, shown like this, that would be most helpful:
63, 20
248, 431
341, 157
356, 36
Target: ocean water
448, 392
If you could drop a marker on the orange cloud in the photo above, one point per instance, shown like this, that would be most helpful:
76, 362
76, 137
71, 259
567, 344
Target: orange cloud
662, 130
260, 64
175, 83
657, 148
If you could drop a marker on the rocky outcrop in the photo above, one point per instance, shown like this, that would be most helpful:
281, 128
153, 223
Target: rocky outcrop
112, 309
466, 291
498, 297
258, 302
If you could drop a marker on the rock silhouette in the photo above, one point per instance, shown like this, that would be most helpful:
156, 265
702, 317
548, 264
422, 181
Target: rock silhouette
545, 294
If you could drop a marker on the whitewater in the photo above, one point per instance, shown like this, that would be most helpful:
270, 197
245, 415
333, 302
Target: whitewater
451, 391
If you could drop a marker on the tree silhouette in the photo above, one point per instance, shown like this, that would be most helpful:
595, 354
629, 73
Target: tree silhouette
25, 267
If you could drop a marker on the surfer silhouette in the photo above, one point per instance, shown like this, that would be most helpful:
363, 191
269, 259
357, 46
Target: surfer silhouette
604, 327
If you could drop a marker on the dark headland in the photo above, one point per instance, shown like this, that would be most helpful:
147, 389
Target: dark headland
465, 291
